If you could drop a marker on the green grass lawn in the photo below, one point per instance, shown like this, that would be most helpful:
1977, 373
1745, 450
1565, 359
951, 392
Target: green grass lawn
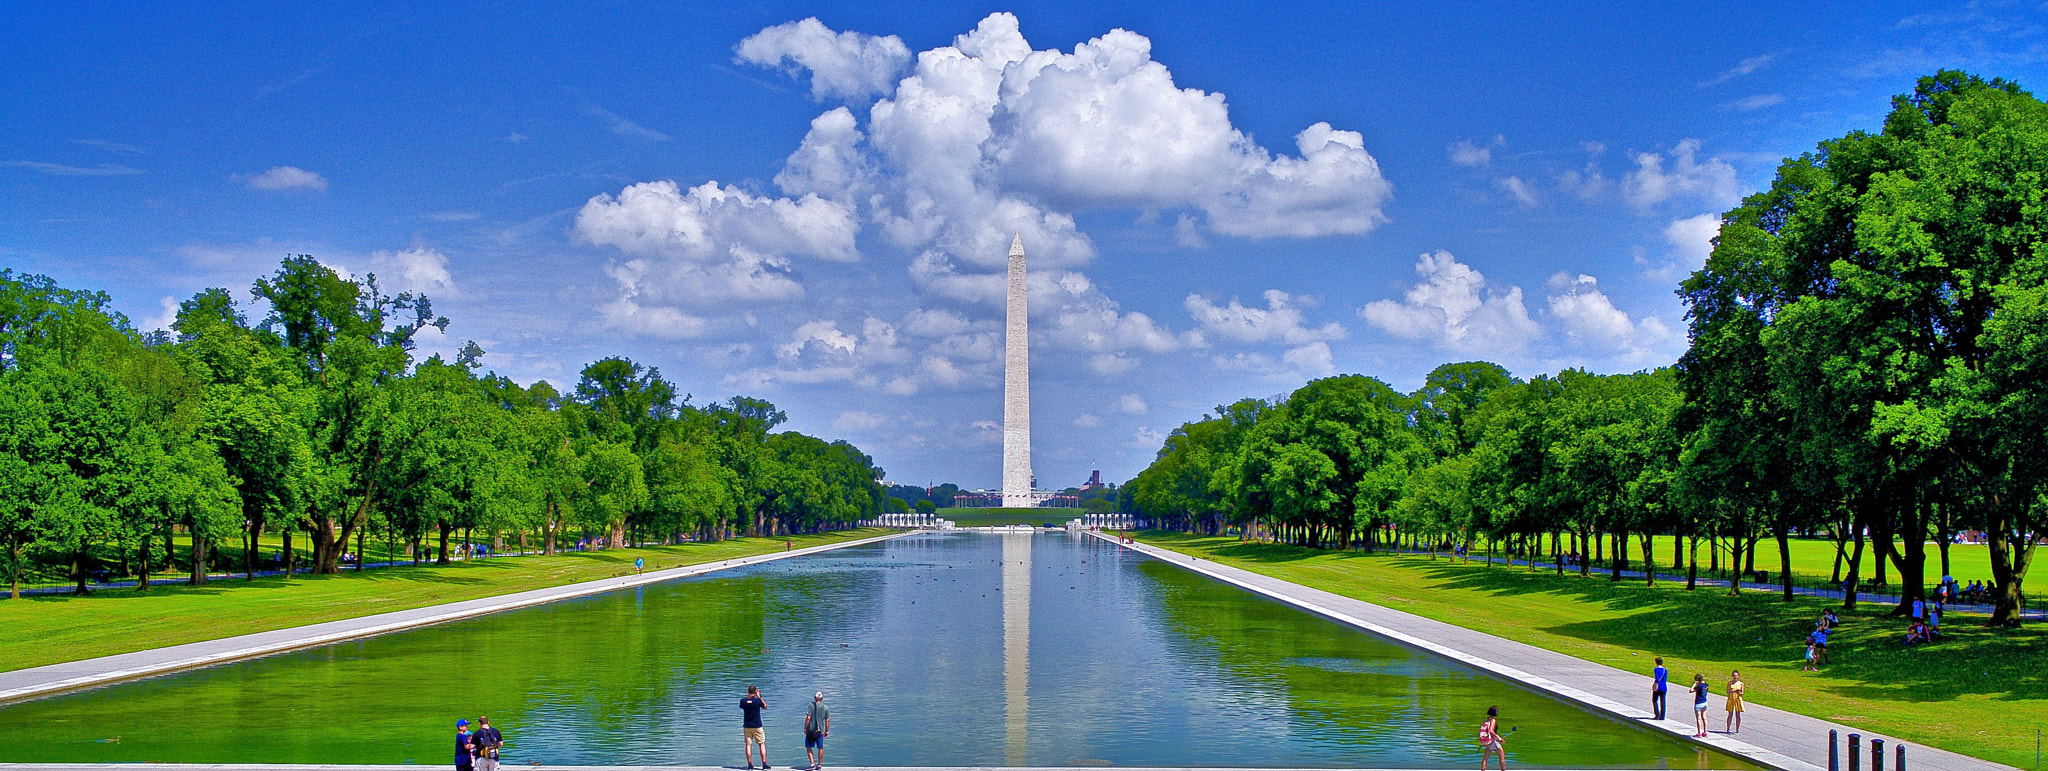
50, 629
1982, 693
992, 517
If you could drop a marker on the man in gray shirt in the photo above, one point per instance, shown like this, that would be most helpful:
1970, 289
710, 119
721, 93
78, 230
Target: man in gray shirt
817, 725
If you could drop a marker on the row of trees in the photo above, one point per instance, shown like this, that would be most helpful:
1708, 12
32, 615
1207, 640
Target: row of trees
1868, 359
318, 421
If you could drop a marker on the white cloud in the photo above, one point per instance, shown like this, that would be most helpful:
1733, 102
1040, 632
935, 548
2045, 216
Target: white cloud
1747, 66
1466, 153
1312, 359
1278, 322
1146, 438
1132, 404
1112, 364
453, 216
1692, 239
167, 312
858, 420
1590, 320
659, 321
1711, 181
1453, 308
1589, 184
418, 269
284, 179
1087, 421
1756, 102
843, 65
1522, 192
61, 170
116, 148
659, 218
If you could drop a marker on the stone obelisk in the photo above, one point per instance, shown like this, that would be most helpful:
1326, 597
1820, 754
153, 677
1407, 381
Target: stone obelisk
1017, 386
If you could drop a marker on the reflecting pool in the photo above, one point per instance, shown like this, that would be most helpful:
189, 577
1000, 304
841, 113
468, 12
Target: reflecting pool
959, 649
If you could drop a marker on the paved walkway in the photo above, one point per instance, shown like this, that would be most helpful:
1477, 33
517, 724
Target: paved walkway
23, 684
288, 767
1772, 737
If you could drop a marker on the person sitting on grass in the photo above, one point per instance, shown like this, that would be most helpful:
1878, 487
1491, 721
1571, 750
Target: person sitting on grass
1829, 620
1916, 633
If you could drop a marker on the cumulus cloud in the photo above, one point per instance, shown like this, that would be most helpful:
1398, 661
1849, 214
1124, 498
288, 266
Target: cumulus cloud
1454, 309
1087, 421
875, 357
843, 65
1312, 359
1464, 153
1589, 319
284, 179
969, 144
1278, 322
1710, 181
1692, 239
418, 269
1133, 404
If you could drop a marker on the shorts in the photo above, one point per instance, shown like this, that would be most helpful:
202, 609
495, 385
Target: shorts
756, 736
814, 741
1700, 707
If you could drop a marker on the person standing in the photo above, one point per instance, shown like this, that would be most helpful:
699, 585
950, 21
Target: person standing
817, 726
488, 740
1734, 722
1699, 705
1662, 677
750, 725
465, 746
1490, 743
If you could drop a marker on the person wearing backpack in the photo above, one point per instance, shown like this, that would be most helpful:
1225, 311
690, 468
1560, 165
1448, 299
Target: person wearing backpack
817, 726
1489, 740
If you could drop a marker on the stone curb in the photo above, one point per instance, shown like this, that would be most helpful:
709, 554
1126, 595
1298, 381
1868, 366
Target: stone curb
52, 679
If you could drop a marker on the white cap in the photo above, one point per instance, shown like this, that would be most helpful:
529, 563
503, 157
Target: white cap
819, 696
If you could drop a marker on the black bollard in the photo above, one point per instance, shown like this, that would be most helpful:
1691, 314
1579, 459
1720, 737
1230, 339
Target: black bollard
1877, 755
1855, 752
1834, 750
1900, 753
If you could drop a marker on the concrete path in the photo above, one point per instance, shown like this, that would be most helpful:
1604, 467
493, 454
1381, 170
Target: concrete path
1772, 737
289, 767
23, 684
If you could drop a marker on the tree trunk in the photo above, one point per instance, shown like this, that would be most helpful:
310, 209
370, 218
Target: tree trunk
1620, 556
1852, 584
2009, 563
445, 529
255, 551
78, 569
360, 559
1692, 569
14, 567
1649, 559
142, 563
198, 560
1785, 560
291, 556
1735, 564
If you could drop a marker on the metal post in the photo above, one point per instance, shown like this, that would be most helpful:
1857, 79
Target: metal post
1834, 751
1855, 752
1877, 755
1899, 752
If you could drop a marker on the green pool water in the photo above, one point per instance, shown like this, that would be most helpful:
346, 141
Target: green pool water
959, 649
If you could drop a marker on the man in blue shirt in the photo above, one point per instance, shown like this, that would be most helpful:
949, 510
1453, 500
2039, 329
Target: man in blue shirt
1657, 690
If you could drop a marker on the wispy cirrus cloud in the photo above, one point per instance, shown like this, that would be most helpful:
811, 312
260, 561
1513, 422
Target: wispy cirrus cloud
62, 170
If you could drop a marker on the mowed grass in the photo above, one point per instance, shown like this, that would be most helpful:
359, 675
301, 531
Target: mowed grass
51, 629
1981, 693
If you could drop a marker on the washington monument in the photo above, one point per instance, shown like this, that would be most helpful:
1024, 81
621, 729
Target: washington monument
1017, 387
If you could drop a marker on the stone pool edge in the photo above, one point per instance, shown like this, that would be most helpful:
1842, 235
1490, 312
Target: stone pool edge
52, 679
1300, 596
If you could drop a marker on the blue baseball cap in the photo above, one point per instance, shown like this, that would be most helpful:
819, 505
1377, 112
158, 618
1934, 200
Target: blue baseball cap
461, 723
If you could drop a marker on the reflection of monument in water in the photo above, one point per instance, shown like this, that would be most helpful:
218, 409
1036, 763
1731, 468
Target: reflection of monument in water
1016, 644
1017, 477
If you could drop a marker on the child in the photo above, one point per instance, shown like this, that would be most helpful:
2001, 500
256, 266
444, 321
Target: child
1809, 658
1489, 740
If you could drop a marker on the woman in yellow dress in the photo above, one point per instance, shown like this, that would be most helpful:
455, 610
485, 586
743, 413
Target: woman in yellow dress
1734, 724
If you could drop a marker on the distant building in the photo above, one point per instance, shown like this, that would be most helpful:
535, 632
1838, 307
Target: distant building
1094, 481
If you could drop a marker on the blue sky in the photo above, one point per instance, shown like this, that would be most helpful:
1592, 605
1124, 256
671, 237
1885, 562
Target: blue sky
810, 202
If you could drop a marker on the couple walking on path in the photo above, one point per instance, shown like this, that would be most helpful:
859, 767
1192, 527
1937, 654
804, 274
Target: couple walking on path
1660, 681
817, 726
